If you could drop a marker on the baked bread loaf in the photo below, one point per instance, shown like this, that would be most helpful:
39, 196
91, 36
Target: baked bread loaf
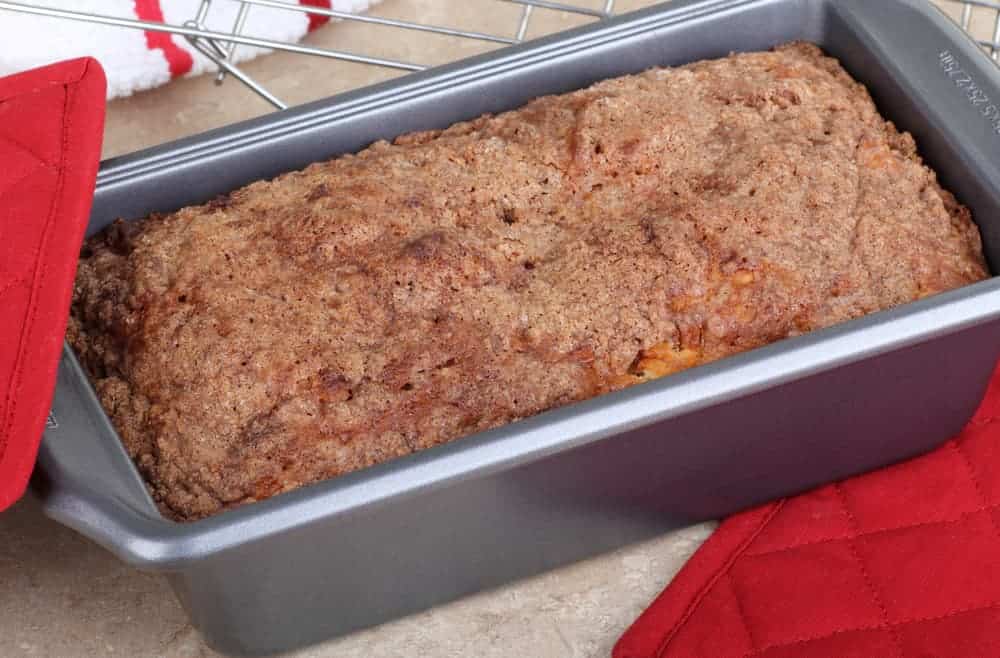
452, 281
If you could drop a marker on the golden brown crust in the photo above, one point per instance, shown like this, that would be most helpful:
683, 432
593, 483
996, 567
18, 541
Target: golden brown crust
388, 301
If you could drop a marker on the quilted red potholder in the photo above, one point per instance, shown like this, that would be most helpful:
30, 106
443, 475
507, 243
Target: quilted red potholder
899, 563
51, 125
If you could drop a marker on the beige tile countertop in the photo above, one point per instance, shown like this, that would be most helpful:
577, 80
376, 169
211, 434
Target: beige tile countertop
60, 595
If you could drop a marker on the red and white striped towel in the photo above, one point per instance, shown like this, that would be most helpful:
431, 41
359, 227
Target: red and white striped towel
136, 60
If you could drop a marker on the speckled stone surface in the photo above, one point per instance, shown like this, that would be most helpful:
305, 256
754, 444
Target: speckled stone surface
62, 596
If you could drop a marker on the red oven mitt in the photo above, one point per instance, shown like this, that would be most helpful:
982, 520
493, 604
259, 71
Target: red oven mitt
899, 563
51, 125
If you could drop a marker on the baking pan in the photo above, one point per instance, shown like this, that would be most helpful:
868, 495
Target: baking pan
514, 501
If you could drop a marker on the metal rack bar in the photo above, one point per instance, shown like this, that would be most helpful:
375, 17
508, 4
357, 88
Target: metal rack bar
988, 4
996, 37
390, 22
241, 19
559, 6
522, 28
225, 66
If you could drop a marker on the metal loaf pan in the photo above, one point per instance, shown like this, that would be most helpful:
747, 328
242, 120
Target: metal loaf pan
370, 546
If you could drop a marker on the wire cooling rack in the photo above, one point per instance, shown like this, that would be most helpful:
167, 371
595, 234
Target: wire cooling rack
219, 46
981, 18
989, 11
